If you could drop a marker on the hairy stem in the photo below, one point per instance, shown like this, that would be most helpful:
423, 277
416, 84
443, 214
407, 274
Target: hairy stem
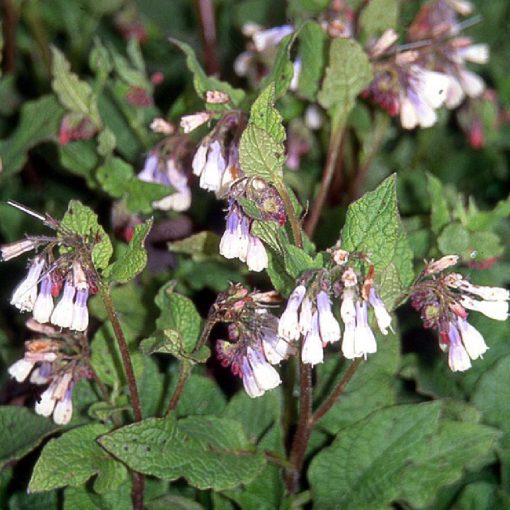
302, 435
138, 479
337, 130
291, 214
124, 351
336, 393
184, 373
208, 29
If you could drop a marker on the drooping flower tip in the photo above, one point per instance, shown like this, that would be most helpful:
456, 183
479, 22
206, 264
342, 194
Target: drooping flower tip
13, 250
312, 352
191, 122
288, 326
25, 294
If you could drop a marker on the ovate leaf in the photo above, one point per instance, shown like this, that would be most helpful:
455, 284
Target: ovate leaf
73, 94
75, 457
208, 452
312, 41
378, 16
201, 81
134, 259
439, 213
403, 452
373, 227
21, 430
348, 73
81, 220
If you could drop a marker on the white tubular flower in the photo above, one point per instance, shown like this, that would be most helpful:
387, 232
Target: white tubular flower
181, 199
312, 352
288, 325
249, 382
13, 250
497, 310
364, 339
430, 86
256, 257
47, 402
305, 316
348, 348
476, 53
41, 374
458, 358
150, 168
265, 39
275, 348
199, 159
20, 369
191, 122
62, 315
314, 118
229, 243
436, 266
347, 308
265, 375
382, 316
471, 83
64, 409
295, 77
463, 7
328, 325
455, 94
80, 319
43, 305
472, 339
25, 294
486, 293
211, 176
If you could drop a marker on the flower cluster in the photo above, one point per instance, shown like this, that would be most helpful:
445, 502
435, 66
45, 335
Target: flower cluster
415, 83
57, 363
216, 161
238, 241
443, 300
166, 164
253, 344
309, 314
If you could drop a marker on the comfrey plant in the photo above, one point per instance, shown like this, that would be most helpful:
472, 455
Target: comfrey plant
280, 363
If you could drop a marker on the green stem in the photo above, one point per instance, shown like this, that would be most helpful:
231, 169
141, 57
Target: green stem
336, 393
339, 118
184, 373
291, 214
124, 350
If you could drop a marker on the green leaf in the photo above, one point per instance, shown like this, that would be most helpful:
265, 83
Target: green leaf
202, 82
282, 70
79, 498
81, 220
297, 261
73, 94
106, 358
118, 179
170, 342
75, 457
400, 453
106, 142
39, 122
378, 16
174, 502
373, 384
373, 227
134, 259
439, 213
348, 73
454, 239
260, 155
20, 432
261, 150
312, 42
208, 452
265, 116
80, 158
204, 243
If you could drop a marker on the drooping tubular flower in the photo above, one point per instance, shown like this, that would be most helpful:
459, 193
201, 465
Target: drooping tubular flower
443, 301
167, 165
216, 161
238, 240
253, 344
309, 313
58, 364
64, 278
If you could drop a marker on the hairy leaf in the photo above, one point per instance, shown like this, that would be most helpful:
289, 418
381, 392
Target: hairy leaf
209, 452
312, 42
